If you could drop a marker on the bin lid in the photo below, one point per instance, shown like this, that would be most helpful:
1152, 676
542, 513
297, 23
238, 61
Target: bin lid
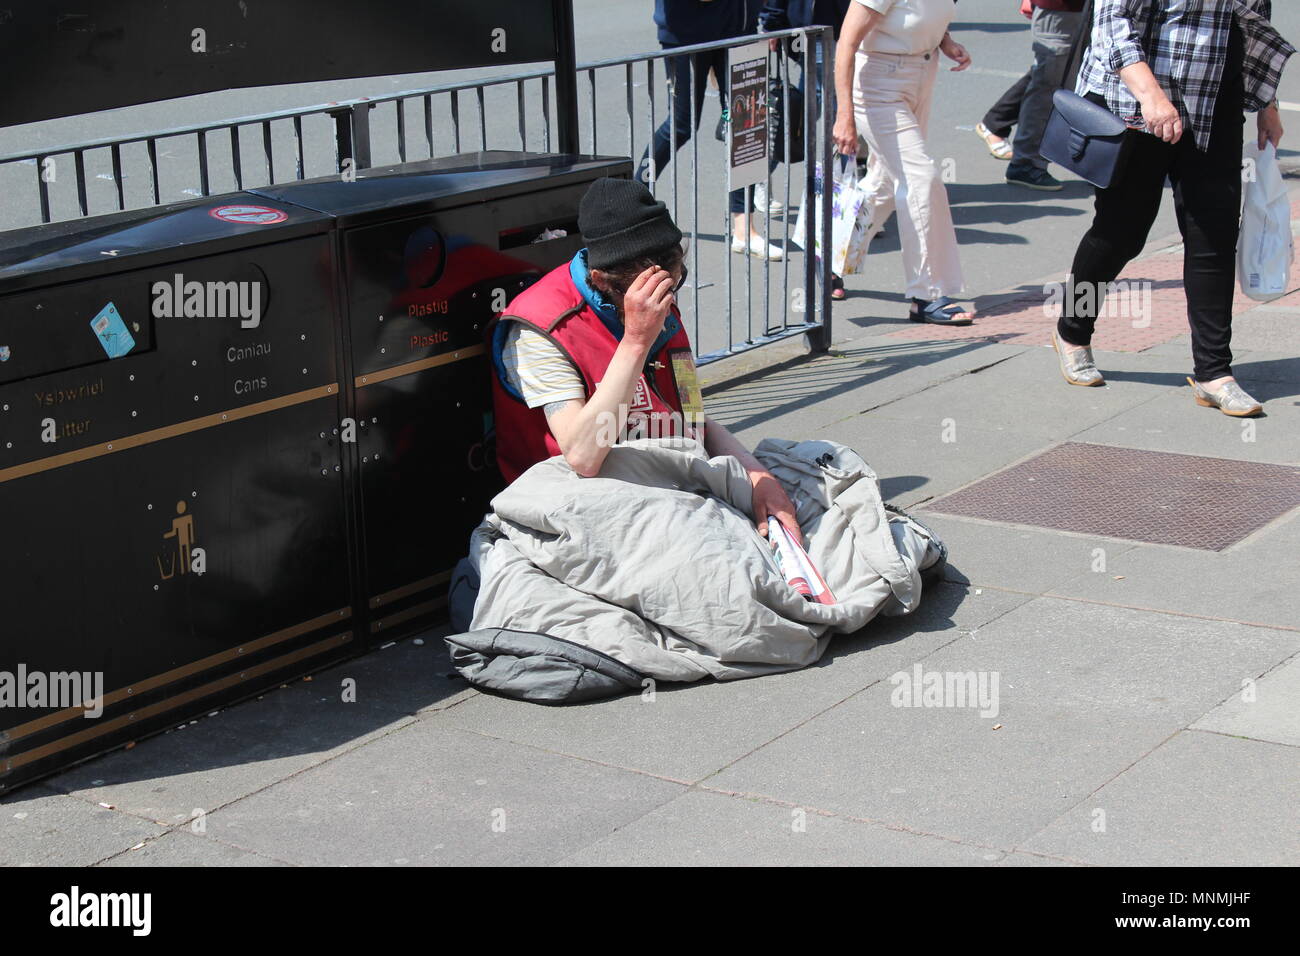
442, 183
138, 238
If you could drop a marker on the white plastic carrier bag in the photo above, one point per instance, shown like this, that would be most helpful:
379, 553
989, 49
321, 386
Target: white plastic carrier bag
1266, 246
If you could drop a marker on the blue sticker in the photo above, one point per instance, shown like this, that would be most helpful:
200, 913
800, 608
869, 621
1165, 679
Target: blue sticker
112, 332
4, 353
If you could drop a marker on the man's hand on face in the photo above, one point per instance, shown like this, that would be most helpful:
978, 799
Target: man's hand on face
646, 304
770, 499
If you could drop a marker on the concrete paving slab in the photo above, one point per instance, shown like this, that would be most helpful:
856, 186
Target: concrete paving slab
1267, 709
237, 752
1178, 348
1271, 376
914, 462
429, 794
40, 827
182, 848
1024, 394
401, 678
705, 828
1199, 800
1247, 582
1011, 556
1084, 691
1173, 422
1266, 328
1280, 370
688, 731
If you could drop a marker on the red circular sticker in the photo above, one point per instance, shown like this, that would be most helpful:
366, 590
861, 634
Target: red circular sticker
249, 215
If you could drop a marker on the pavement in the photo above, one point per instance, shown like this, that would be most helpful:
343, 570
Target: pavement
1129, 702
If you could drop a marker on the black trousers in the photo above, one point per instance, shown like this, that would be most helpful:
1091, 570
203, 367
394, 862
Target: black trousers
684, 113
1207, 198
1005, 113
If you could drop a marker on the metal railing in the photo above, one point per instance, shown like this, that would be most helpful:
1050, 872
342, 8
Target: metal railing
748, 305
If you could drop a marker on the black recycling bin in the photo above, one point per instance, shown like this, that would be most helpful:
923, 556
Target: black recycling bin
244, 437
172, 486
429, 252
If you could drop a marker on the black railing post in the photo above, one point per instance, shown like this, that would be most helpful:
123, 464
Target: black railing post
813, 215
822, 341
566, 77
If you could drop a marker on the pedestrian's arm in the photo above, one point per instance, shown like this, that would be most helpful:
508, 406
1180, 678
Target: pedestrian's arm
1115, 38
955, 52
1119, 46
858, 23
1159, 114
1269, 122
1269, 119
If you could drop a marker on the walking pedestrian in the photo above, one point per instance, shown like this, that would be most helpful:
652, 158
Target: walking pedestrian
995, 129
682, 23
1055, 25
783, 15
886, 63
1180, 75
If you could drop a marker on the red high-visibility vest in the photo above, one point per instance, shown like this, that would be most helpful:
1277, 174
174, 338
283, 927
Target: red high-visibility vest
556, 308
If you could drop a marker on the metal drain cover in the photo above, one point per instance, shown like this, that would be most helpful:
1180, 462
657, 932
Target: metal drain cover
1149, 496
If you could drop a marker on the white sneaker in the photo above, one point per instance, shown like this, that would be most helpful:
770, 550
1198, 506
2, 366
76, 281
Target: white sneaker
758, 247
773, 207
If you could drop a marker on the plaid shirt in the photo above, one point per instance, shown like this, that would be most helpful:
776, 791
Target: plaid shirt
1187, 50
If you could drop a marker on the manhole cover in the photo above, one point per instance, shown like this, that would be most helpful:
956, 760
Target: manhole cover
1149, 496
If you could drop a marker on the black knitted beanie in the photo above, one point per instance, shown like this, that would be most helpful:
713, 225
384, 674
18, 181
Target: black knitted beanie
620, 221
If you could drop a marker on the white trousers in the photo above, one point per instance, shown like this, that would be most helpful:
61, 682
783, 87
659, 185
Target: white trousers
891, 105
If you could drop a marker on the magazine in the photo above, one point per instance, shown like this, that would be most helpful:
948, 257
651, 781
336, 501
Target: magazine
795, 565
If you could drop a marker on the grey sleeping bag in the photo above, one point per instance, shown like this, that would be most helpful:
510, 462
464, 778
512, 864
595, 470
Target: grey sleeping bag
577, 588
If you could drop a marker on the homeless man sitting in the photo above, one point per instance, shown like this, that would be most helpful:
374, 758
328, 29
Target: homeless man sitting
612, 557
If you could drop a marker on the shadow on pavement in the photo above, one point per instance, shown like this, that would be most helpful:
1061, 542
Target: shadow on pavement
1265, 379
303, 719
984, 27
935, 614
803, 382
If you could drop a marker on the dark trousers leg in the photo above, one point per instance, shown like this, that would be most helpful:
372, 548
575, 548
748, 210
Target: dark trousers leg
1207, 196
684, 111
1005, 113
738, 200
1124, 215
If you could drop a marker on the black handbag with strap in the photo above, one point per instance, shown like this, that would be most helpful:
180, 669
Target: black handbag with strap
1085, 137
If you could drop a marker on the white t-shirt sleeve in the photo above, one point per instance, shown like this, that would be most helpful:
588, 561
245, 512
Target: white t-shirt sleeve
538, 369
880, 6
